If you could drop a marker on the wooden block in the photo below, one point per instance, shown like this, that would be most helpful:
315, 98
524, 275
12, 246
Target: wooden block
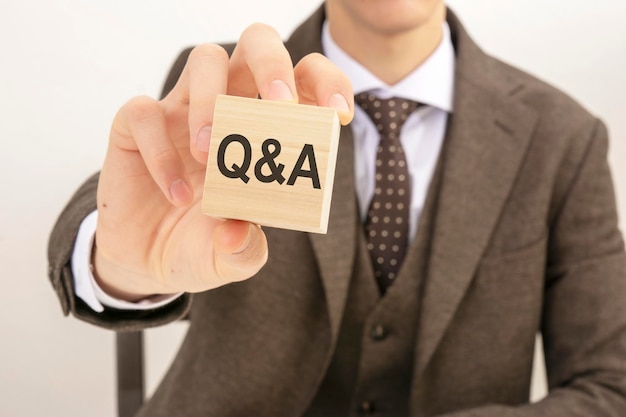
271, 163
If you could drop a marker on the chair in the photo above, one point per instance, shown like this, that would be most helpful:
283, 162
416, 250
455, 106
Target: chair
130, 373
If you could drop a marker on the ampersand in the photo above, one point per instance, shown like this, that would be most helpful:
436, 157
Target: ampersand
268, 159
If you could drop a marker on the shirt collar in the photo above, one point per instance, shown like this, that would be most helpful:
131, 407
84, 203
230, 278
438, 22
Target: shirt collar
432, 83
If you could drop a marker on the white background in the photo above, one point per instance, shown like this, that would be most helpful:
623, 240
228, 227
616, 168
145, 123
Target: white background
67, 65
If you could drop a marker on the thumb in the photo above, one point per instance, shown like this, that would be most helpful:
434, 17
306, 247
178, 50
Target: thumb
240, 250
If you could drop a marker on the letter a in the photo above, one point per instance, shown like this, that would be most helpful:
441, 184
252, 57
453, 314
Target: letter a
307, 153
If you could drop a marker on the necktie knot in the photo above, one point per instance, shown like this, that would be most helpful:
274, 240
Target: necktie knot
388, 115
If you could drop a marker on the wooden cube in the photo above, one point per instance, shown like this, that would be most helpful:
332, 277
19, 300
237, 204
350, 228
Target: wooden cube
271, 163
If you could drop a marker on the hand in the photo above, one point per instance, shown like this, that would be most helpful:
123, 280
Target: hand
151, 236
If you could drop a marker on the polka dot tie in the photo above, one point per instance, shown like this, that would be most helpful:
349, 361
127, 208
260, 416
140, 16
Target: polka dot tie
387, 224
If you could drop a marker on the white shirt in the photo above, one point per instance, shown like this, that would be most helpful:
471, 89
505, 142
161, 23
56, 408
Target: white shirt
422, 135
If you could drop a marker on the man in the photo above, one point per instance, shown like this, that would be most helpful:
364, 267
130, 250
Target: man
512, 230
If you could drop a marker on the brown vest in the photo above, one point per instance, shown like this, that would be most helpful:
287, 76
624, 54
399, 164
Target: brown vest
372, 366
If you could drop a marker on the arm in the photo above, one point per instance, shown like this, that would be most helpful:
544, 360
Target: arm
61, 247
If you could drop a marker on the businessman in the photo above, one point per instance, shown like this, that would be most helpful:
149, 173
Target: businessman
473, 207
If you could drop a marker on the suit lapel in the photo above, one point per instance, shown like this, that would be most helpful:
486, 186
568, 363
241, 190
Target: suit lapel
335, 251
485, 146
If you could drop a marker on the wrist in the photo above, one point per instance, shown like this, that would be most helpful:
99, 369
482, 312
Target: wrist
107, 276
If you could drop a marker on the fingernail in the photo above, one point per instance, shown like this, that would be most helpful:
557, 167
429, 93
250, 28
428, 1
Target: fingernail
338, 102
203, 140
246, 243
279, 90
180, 192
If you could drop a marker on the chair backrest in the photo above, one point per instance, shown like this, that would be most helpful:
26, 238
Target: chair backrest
130, 373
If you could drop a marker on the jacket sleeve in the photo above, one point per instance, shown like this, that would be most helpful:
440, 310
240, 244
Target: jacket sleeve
584, 317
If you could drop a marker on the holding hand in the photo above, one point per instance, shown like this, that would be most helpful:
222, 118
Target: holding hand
151, 236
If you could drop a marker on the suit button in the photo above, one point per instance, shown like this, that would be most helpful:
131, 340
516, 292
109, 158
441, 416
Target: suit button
367, 407
379, 332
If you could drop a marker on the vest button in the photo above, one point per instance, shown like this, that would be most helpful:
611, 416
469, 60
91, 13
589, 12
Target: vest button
367, 407
379, 332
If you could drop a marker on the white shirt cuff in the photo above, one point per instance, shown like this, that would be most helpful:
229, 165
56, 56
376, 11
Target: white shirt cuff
85, 286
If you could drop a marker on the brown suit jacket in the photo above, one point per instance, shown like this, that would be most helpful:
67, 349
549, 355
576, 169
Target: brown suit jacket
525, 240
